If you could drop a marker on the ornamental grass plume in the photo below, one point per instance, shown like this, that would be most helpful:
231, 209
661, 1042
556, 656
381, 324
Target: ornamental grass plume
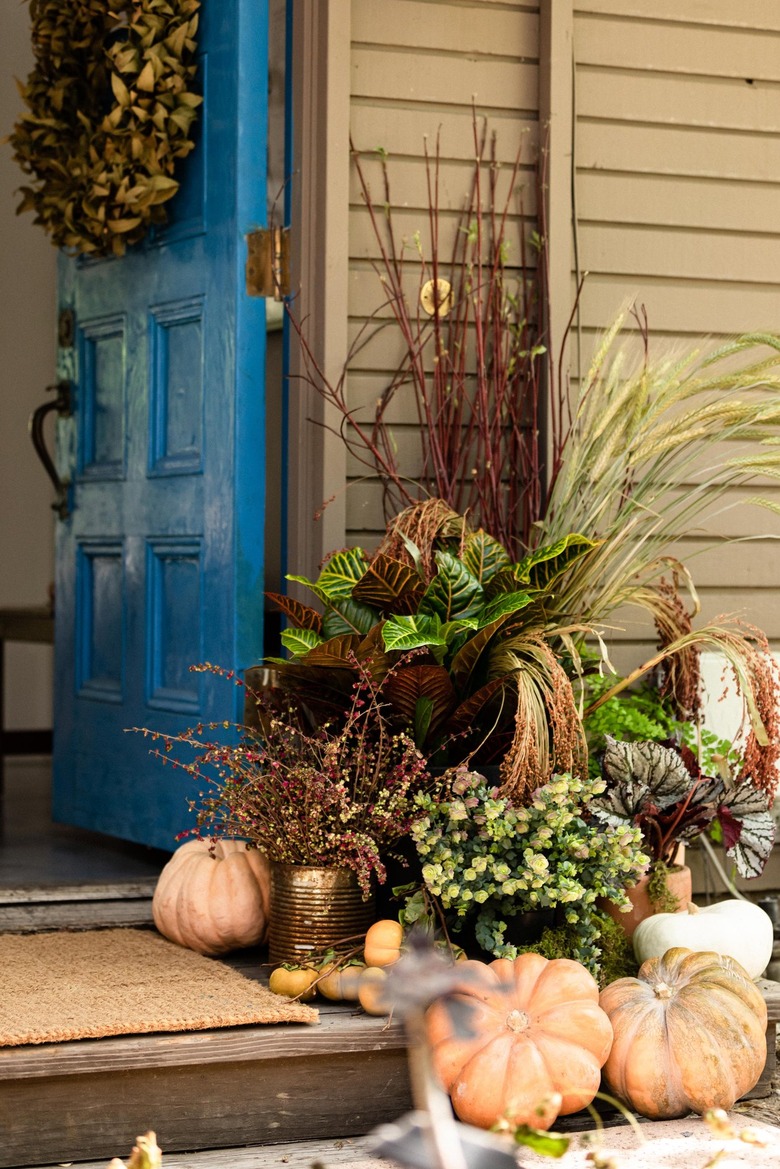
332, 796
654, 451
651, 454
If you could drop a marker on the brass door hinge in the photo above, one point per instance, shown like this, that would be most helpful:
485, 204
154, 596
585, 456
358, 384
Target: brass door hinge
268, 262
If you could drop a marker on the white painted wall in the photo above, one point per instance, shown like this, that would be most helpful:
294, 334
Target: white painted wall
27, 362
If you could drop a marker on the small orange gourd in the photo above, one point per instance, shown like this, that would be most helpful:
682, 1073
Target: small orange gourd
690, 1034
213, 900
293, 982
372, 991
382, 946
536, 1044
340, 983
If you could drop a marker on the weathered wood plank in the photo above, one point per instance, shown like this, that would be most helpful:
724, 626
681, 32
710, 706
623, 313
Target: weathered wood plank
298, 1155
92, 1116
78, 915
338, 1031
116, 891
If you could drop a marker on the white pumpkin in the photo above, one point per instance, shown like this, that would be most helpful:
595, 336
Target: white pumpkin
213, 903
735, 929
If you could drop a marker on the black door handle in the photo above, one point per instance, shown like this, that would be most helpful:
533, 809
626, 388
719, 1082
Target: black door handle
60, 403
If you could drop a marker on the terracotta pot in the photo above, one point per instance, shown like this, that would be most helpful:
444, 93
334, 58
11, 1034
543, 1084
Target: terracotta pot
678, 882
312, 908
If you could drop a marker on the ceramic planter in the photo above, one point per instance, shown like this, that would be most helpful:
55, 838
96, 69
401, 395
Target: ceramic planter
678, 882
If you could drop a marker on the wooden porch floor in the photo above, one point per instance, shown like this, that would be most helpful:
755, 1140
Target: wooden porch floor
53, 875
35, 851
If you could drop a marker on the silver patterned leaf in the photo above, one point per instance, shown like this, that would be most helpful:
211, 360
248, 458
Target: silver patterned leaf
642, 772
743, 813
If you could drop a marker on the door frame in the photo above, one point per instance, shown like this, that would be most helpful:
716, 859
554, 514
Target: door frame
319, 166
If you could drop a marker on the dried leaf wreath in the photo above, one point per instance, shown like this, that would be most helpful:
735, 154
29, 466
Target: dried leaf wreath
110, 113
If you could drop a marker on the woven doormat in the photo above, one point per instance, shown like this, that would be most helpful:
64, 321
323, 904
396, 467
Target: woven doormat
60, 986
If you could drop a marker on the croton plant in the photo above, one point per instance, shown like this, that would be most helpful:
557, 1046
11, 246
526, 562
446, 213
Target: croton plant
454, 631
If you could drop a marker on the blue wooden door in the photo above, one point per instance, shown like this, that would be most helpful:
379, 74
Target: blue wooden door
159, 565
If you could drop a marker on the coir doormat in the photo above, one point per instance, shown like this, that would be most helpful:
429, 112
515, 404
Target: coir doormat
60, 986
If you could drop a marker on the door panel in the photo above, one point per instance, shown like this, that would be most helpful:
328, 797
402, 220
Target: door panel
159, 565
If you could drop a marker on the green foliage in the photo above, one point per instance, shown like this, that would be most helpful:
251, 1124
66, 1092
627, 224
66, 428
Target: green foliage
546, 1144
617, 952
434, 618
634, 714
642, 713
110, 112
487, 861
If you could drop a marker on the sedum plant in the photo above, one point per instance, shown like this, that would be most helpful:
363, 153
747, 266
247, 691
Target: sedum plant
487, 860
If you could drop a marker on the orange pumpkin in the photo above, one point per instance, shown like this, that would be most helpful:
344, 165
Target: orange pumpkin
372, 991
213, 903
690, 1034
536, 1044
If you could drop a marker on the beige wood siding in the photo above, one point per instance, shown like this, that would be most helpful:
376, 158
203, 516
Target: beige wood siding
677, 156
416, 66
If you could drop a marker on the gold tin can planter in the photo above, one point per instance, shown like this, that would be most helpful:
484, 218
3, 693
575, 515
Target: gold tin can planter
312, 908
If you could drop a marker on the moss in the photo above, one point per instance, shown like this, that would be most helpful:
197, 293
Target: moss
555, 942
617, 953
658, 891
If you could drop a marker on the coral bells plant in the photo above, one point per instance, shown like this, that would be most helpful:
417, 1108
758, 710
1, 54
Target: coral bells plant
488, 860
328, 796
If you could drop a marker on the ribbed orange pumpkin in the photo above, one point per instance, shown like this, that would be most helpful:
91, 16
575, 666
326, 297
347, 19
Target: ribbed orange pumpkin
690, 1034
213, 903
535, 1030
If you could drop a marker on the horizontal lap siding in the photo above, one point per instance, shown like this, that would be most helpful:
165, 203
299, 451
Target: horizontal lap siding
417, 66
678, 205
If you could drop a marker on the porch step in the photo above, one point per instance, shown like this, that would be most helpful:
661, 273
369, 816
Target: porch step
83, 906
89, 1099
